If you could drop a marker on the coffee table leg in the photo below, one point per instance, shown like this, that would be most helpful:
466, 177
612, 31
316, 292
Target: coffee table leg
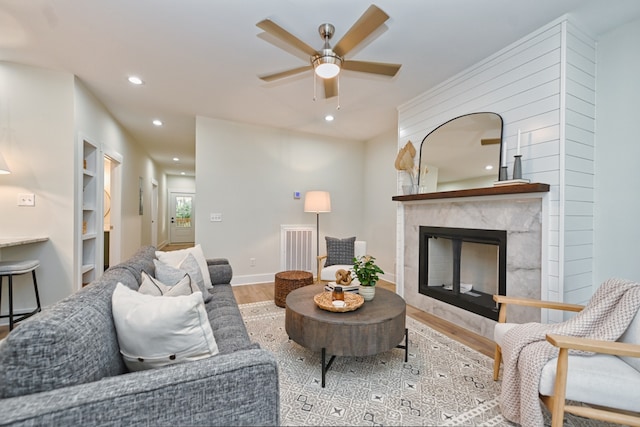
326, 367
406, 345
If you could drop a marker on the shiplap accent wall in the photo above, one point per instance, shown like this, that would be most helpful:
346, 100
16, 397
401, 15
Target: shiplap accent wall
544, 85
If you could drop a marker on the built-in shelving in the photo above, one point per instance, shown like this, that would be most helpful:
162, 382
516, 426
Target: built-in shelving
91, 222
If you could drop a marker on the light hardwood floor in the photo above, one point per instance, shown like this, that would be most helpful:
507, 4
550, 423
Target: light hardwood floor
264, 292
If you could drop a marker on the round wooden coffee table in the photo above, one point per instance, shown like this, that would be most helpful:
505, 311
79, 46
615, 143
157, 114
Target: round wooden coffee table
376, 327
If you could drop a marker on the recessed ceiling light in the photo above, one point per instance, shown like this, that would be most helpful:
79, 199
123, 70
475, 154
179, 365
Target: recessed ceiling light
489, 167
157, 122
329, 118
175, 159
182, 173
135, 80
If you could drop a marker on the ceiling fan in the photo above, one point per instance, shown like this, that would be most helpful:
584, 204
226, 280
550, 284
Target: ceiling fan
328, 62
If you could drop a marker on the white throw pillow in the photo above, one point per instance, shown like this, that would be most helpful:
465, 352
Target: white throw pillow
171, 275
175, 258
158, 331
152, 286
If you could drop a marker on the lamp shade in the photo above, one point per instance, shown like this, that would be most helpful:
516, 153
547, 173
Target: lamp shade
4, 169
317, 201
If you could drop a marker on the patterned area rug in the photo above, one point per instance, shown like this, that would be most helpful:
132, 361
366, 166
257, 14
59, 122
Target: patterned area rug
444, 383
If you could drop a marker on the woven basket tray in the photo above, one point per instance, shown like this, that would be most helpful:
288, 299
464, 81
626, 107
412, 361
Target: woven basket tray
352, 302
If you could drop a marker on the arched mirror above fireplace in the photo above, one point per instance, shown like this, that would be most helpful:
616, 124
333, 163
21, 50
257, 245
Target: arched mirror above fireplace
462, 153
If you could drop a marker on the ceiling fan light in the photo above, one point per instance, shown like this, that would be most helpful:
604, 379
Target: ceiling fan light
327, 66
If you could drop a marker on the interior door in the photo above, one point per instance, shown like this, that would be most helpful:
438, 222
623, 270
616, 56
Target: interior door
182, 221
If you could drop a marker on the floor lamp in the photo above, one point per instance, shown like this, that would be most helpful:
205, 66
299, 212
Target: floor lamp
318, 202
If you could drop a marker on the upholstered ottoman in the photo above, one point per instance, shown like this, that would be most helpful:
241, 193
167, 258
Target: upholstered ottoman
287, 281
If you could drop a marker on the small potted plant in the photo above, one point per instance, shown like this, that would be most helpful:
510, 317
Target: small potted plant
366, 271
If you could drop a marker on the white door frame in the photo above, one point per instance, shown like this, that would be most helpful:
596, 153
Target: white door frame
171, 193
115, 235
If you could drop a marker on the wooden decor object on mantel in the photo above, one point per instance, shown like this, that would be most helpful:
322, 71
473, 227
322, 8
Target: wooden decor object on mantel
485, 191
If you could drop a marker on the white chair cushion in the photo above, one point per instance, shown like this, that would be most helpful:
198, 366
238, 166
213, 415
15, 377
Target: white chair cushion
617, 383
329, 273
359, 248
602, 372
500, 330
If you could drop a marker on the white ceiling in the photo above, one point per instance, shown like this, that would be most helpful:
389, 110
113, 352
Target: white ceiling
202, 57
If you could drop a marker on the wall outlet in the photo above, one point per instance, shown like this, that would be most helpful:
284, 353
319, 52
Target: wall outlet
215, 217
252, 262
26, 199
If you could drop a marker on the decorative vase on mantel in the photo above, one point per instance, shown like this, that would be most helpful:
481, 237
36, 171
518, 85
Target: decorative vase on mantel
367, 292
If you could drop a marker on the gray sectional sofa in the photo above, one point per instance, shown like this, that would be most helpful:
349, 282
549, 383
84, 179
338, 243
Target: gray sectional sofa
63, 366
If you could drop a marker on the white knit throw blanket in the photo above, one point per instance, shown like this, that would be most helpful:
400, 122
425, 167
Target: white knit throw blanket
525, 349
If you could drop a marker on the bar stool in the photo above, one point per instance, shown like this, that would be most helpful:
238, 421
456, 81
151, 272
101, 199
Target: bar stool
13, 268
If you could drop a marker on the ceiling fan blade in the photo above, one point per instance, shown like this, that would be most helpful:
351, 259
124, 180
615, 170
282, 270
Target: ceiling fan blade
372, 67
370, 20
277, 31
489, 141
287, 73
330, 87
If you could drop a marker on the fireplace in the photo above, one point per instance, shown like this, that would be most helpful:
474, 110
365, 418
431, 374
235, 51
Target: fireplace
520, 209
463, 267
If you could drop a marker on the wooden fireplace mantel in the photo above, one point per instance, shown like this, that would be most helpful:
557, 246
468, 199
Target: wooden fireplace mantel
487, 191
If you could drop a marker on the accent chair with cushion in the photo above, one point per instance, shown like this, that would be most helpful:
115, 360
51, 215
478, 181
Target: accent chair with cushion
606, 378
340, 254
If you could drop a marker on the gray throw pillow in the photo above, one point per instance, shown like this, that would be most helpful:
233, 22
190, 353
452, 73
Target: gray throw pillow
170, 275
339, 251
154, 287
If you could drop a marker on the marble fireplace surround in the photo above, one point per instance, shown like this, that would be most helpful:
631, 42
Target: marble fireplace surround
519, 209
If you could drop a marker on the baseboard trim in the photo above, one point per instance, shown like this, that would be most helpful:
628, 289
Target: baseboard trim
254, 279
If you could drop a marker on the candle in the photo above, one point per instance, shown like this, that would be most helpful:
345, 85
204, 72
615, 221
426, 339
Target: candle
504, 154
518, 148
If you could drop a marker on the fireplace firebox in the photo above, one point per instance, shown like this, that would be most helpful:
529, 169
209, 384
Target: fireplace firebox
463, 267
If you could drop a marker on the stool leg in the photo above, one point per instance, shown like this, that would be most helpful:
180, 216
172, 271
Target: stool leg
35, 288
10, 302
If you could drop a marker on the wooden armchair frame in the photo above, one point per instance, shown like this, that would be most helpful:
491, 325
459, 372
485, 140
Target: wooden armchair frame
320, 259
557, 403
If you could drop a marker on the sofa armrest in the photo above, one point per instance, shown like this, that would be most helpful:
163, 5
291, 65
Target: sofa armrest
239, 388
217, 261
220, 271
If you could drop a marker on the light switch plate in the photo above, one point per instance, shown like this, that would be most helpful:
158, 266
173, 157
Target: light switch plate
26, 199
215, 217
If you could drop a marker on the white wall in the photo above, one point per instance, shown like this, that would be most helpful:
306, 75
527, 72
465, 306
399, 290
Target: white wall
538, 85
37, 141
181, 183
379, 210
249, 174
41, 113
617, 229
95, 123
